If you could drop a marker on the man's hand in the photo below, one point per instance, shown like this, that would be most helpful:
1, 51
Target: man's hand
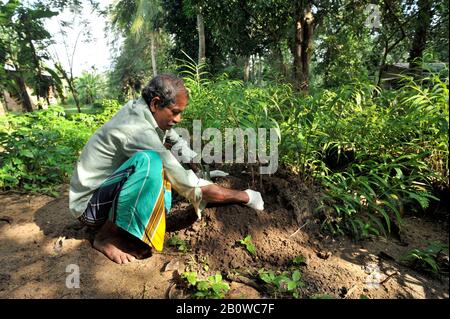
255, 200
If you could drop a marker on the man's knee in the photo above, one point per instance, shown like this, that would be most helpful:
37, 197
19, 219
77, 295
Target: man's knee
147, 157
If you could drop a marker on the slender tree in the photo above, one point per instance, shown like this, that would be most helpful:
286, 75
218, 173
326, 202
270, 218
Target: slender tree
421, 32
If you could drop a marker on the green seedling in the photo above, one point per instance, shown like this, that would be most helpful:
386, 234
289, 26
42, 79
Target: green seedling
180, 244
247, 242
299, 260
213, 287
284, 283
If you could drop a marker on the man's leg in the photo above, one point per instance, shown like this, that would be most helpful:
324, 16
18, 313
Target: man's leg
137, 214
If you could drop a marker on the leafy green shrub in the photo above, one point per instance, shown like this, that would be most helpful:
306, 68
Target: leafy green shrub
90, 87
389, 149
38, 150
377, 153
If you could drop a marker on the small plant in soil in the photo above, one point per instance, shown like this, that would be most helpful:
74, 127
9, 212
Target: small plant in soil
282, 284
433, 259
213, 287
180, 244
300, 260
247, 242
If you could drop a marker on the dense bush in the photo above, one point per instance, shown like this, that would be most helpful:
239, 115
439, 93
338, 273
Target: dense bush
377, 153
38, 150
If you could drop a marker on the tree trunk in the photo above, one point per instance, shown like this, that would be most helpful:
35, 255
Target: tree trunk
307, 47
420, 33
297, 53
24, 97
279, 60
260, 70
3, 108
71, 85
201, 39
74, 94
153, 53
253, 67
246, 68
302, 45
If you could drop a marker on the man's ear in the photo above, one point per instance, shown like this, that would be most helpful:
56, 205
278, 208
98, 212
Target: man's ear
154, 103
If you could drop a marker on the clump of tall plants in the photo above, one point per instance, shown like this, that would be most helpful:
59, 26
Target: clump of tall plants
377, 153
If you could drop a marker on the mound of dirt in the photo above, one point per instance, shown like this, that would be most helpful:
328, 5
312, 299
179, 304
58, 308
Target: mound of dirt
273, 231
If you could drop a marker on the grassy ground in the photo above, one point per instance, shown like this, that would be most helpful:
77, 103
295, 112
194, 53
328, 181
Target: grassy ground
72, 108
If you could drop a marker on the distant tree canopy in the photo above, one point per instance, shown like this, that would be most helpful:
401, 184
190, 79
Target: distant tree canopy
308, 43
24, 43
302, 42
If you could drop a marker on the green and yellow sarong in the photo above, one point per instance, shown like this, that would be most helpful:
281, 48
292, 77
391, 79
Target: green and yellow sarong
136, 198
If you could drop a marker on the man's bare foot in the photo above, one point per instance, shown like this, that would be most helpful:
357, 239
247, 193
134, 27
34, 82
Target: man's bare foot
118, 245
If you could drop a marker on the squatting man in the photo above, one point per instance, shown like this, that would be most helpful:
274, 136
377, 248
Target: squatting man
123, 178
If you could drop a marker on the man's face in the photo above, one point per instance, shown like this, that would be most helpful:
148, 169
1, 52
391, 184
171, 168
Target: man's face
170, 115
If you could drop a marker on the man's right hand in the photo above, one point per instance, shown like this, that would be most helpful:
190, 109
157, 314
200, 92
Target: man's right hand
255, 199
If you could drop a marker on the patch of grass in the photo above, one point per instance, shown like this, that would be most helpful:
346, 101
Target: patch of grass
85, 108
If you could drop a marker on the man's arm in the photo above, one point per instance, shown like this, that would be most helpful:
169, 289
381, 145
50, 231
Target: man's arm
218, 194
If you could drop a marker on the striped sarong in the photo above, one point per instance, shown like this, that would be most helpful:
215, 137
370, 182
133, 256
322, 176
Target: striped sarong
136, 198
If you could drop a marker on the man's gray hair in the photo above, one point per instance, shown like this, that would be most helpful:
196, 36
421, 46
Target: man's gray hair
164, 86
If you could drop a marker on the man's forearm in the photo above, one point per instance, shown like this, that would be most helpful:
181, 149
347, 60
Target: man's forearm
218, 194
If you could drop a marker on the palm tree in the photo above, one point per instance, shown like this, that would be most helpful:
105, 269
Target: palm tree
89, 86
139, 17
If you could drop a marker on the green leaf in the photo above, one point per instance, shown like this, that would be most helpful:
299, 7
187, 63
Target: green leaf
430, 261
217, 277
202, 285
251, 248
296, 275
27, 153
291, 285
